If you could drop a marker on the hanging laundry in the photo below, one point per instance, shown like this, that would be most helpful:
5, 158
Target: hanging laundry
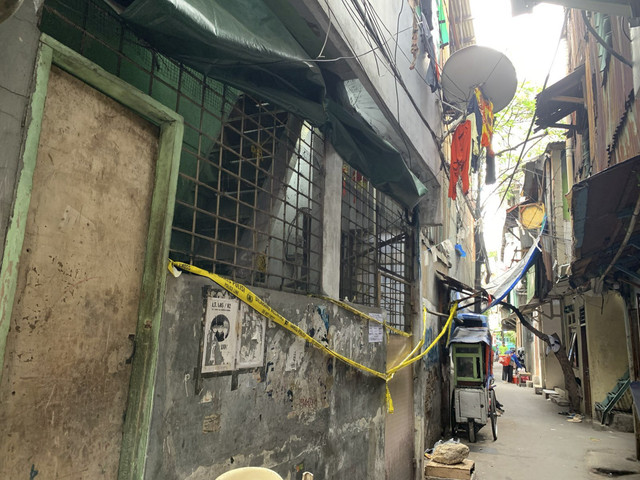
424, 12
475, 116
426, 6
486, 109
414, 39
460, 151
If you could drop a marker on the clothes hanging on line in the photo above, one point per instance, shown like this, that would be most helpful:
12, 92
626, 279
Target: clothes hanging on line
460, 154
424, 13
476, 131
480, 112
486, 109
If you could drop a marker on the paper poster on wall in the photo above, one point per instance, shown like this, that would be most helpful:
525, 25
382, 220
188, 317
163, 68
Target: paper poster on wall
251, 343
220, 334
375, 329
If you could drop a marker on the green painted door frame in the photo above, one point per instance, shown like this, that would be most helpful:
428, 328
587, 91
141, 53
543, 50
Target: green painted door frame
141, 388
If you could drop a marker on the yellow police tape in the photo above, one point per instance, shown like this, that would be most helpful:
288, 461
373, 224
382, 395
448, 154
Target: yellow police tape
251, 299
363, 315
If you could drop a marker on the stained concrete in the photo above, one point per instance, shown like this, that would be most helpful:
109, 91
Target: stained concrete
313, 414
535, 442
19, 39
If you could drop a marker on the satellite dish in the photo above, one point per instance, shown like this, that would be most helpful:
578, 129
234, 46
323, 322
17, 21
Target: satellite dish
8, 8
483, 67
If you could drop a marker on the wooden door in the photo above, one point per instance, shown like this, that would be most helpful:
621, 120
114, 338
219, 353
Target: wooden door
67, 364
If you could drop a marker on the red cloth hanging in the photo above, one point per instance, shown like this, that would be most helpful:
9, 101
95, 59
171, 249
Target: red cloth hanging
460, 151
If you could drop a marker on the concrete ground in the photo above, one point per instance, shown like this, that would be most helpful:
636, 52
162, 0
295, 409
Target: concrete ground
535, 442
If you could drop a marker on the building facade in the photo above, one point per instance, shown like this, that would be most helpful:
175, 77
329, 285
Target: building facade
294, 149
583, 287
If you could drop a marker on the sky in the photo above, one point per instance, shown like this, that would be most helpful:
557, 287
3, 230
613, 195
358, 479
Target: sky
529, 41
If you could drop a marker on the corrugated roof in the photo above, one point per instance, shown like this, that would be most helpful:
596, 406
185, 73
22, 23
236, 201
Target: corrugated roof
461, 24
560, 100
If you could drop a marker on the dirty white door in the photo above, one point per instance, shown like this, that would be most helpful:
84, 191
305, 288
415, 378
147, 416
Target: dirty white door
399, 425
66, 376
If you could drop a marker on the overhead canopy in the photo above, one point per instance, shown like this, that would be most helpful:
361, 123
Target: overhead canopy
601, 207
560, 100
245, 44
360, 147
471, 335
501, 286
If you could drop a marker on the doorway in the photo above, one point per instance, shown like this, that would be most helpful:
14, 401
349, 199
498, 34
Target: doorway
83, 273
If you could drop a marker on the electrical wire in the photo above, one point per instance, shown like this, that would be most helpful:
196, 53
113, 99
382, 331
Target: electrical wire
396, 73
326, 37
533, 118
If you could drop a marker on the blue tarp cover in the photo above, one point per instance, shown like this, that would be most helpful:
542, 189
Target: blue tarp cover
501, 286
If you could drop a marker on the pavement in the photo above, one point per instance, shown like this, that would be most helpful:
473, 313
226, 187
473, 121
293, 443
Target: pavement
536, 442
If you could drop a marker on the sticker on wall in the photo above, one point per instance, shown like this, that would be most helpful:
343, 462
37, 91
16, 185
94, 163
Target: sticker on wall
220, 335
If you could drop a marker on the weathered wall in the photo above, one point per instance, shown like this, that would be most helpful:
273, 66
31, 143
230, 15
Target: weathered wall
381, 81
19, 39
613, 112
431, 380
552, 372
606, 340
399, 426
300, 411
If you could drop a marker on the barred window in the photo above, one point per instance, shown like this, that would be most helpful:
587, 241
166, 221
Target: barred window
376, 249
248, 202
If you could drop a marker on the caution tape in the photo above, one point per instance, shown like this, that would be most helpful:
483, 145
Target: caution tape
255, 302
408, 362
363, 315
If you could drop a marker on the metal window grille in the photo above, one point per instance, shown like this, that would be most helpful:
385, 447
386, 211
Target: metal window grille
248, 202
376, 249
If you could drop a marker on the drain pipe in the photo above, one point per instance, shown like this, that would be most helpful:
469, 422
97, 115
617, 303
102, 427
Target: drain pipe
569, 151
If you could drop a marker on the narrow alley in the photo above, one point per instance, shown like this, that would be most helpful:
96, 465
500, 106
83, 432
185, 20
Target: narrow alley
535, 441
285, 238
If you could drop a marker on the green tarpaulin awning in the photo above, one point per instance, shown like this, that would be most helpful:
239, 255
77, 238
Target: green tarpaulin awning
243, 43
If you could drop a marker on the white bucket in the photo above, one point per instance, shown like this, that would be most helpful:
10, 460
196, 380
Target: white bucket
250, 473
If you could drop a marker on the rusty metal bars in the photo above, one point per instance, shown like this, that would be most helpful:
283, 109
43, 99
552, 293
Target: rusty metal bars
248, 202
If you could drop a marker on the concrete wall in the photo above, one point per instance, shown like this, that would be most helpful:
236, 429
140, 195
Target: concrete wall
19, 39
551, 322
375, 75
606, 340
300, 411
432, 392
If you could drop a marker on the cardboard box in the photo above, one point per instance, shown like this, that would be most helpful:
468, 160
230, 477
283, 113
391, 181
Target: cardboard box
461, 471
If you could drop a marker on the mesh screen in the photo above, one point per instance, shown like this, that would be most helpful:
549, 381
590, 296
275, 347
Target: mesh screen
376, 249
248, 203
